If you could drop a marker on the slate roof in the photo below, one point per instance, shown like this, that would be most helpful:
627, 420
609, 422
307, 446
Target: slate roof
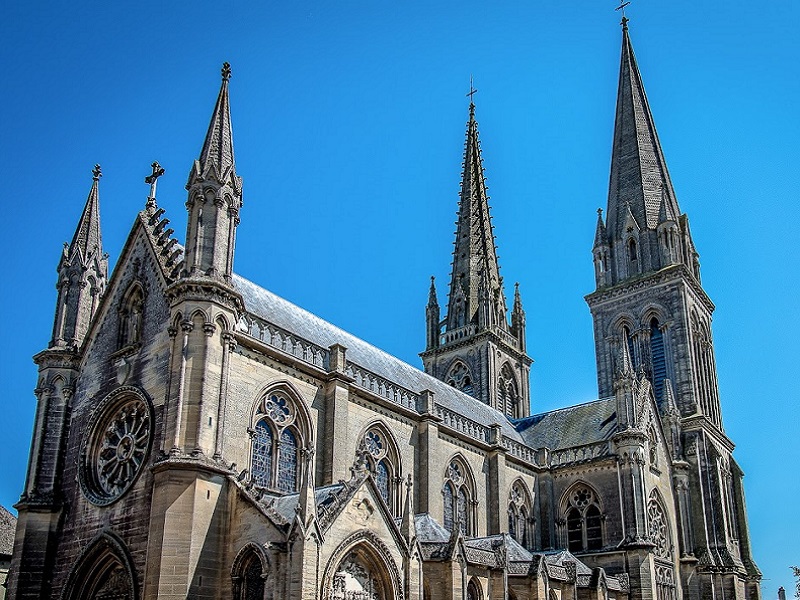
572, 426
429, 530
8, 528
274, 309
285, 505
565, 556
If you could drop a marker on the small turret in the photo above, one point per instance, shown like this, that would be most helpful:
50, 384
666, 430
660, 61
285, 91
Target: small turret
82, 275
602, 253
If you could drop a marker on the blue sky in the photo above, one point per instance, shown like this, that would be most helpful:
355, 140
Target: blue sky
349, 122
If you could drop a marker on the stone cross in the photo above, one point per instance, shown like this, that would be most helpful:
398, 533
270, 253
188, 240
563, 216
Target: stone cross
152, 179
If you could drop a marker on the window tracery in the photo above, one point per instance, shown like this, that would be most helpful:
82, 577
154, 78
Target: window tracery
460, 378
519, 510
377, 454
659, 529
583, 520
458, 494
507, 395
275, 444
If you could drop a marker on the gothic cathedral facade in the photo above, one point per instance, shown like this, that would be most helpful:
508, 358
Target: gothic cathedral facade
197, 436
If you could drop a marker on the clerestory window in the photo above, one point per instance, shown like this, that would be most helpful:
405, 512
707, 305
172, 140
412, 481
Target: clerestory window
458, 494
275, 445
584, 521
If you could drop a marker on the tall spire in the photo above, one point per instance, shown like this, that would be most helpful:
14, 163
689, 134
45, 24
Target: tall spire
82, 274
639, 174
475, 254
218, 146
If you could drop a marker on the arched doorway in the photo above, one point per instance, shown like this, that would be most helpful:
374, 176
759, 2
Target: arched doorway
103, 572
362, 569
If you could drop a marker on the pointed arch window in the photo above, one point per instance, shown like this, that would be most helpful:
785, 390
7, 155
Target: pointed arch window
377, 453
249, 573
275, 444
583, 520
658, 357
508, 401
519, 510
131, 317
458, 495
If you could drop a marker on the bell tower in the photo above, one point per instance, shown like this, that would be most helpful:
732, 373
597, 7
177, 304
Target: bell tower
650, 307
474, 348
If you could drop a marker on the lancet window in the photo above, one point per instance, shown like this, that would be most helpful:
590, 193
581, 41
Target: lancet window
131, 315
507, 394
459, 494
377, 452
584, 521
658, 357
519, 514
248, 576
275, 444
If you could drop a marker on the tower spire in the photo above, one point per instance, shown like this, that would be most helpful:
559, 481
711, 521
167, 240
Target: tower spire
217, 152
639, 174
475, 255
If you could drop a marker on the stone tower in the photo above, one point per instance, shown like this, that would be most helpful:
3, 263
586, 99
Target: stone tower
82, 276
474, 348
650, 306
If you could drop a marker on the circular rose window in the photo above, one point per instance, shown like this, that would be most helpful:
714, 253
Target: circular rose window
115, 447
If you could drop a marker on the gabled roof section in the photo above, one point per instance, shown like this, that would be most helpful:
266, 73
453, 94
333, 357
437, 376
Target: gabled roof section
638, 169
216, 157
87, 239
475, 254
570, 427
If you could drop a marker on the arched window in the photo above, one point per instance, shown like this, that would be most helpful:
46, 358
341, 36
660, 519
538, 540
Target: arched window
460, 378
248, 574
507, 395
458, 494
658, 358
633, 255
474, 591
275, 444
103, 571
583, 519
519, 510
131, 317
659, 529
377, 453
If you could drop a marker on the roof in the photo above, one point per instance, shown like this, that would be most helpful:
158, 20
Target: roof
578, 425
429, 530
282, 313
8, 528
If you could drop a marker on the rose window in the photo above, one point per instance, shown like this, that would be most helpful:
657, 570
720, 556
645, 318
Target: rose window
659, 533
115, 449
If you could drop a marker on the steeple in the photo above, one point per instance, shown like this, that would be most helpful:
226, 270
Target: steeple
474, 348
475, 263
215, 197
82, 274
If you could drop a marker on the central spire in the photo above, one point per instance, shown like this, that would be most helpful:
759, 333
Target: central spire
476, 272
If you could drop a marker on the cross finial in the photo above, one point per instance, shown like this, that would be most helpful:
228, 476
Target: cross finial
625, 19
472, 92
226, 71
600, 212
96, 173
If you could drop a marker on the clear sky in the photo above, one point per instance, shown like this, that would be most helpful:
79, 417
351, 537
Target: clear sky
349, 121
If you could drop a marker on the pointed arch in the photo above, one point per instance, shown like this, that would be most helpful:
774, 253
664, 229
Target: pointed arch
249, 572
131, 315
104, 569
377, 451
280, 429
582, 518
520, 511
659, 526
362, 562
508, 397
459, 496
474, 589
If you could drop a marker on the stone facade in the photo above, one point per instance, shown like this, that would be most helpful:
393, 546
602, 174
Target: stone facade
199, 437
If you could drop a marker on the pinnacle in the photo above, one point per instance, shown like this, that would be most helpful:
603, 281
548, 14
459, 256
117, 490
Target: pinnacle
87, 236
217, 152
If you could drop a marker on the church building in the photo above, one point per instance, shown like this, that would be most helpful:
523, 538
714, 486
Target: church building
198, 437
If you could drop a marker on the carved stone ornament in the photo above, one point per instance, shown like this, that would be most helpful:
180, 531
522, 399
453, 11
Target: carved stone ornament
115, 446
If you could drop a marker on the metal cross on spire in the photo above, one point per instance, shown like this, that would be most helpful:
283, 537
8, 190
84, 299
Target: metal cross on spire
472, 90
624, 18
96, 173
